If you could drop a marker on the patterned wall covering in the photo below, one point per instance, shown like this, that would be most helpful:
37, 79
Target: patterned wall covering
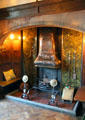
71, 57
71, 46
30, 53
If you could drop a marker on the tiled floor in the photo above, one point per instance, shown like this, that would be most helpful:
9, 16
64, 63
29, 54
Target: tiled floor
12, 110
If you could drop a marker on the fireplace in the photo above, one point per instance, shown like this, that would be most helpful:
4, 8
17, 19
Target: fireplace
62, 45
48, 61
59, 24
64, 21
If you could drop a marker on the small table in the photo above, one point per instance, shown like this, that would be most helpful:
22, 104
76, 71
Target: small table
80, 94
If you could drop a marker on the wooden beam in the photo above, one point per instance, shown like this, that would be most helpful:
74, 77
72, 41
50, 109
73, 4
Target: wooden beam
22, 55
60, 6
42, 8
30, 9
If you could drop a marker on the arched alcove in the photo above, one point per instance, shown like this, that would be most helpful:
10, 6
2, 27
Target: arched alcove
71, 20
70, 44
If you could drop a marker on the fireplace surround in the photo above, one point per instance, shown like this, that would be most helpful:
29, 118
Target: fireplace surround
65, 41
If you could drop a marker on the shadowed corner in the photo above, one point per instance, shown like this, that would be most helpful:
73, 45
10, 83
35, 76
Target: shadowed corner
83, 117
2, 95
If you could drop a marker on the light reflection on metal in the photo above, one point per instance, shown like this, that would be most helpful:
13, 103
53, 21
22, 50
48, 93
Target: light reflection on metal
20, 37
47, 56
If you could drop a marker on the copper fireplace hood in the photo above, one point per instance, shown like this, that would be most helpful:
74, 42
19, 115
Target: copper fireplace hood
47, 56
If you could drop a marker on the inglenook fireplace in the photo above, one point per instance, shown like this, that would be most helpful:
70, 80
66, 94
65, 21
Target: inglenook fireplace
50, 40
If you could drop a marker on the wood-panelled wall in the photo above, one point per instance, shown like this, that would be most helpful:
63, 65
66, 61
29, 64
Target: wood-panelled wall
83, 61
40, 7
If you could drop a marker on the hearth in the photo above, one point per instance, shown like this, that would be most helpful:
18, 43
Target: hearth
41, 99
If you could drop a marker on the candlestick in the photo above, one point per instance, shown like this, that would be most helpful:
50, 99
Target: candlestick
25, 91
53, 83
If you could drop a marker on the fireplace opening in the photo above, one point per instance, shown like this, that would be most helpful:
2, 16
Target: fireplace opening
68, 48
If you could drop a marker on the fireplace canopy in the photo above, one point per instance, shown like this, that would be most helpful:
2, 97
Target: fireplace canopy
47, 55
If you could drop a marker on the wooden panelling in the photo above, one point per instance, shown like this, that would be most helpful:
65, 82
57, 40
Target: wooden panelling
83, 61
80, 94
54, 6
74, 20
19, 11
42, 7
